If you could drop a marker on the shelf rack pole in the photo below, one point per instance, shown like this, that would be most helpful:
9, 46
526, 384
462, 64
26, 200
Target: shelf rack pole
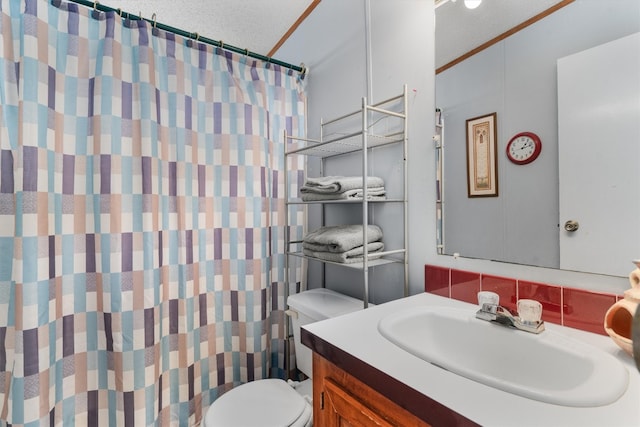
287, 231
365, 202
287, 270
323, 266
406, 191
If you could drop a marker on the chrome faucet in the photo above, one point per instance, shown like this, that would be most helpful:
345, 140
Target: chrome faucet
501, 315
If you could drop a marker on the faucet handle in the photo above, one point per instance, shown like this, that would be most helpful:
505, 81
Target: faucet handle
488, 297
529, 311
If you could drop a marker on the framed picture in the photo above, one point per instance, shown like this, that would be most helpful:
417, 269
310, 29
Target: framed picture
482, 156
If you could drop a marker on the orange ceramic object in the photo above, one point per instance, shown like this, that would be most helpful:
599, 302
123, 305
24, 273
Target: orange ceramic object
619, 317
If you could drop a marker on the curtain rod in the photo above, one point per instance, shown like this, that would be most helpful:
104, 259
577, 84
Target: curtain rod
195, 36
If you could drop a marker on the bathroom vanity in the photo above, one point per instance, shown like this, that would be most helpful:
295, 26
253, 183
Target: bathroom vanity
345, 400
359, 373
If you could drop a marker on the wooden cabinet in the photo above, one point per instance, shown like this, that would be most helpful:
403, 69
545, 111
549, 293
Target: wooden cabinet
340, 399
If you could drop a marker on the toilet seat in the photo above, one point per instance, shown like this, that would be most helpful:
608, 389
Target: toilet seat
261, 403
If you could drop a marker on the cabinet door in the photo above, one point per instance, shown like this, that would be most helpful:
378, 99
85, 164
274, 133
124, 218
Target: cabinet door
340, 399
346, 410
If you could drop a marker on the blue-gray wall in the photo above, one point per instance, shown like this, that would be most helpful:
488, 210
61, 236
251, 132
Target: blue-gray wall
517, 79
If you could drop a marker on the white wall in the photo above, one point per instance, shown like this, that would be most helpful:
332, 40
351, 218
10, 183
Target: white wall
333, 43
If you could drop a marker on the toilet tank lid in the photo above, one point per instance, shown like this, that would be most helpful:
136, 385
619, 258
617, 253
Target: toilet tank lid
322, 303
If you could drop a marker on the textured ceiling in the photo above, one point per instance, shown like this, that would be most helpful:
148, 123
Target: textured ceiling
258, 25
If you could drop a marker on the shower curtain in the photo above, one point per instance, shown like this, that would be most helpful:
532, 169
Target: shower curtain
141, 218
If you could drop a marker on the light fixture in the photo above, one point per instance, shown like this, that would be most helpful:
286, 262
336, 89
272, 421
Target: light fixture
472, 4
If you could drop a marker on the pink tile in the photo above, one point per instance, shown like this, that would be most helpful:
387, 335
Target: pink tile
503, 286
586, 310
549, 296
465, 286
436, 280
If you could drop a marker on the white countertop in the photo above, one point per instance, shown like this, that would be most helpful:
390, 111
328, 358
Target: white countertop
357, 334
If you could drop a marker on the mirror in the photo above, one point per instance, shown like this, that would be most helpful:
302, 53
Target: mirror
517, 79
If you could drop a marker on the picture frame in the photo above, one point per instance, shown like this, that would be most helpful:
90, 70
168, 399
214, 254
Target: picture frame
482, 156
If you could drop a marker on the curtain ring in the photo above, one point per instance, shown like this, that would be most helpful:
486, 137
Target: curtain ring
197, 36
119, 12
140, 14
221, 44
246, 52
153, 18
95, 5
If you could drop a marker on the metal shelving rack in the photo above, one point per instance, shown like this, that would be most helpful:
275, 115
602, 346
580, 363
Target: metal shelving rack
438, 140
390, 116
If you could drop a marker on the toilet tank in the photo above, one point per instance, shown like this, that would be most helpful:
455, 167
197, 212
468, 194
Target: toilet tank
312, 306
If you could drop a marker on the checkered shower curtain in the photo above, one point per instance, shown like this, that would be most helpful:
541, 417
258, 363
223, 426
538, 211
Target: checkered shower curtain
141, 218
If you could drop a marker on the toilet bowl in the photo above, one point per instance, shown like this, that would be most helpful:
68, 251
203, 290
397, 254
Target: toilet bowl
274, 402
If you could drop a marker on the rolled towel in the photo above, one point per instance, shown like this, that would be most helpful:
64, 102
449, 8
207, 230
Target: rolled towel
341, 238
376, 193
351, 256
338, 184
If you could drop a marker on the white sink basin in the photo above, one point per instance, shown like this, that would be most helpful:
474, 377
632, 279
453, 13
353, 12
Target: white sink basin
549, 367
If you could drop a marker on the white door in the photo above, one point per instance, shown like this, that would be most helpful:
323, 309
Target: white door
599, 157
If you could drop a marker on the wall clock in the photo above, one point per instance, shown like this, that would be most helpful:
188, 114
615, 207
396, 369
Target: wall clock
524, 148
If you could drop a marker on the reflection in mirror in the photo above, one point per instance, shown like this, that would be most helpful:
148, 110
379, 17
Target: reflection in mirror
517, 78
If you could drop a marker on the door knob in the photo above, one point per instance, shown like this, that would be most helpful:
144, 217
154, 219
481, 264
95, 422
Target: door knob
571, 225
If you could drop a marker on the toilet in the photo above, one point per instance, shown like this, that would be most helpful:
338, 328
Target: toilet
275, 402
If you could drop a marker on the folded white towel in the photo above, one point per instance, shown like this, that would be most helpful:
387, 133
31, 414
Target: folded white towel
339, 184
341, 238
376, 193
351, 256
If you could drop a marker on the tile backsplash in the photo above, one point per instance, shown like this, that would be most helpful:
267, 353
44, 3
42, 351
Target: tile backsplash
575, 308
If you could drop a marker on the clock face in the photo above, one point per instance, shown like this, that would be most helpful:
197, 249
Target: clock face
524, 148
